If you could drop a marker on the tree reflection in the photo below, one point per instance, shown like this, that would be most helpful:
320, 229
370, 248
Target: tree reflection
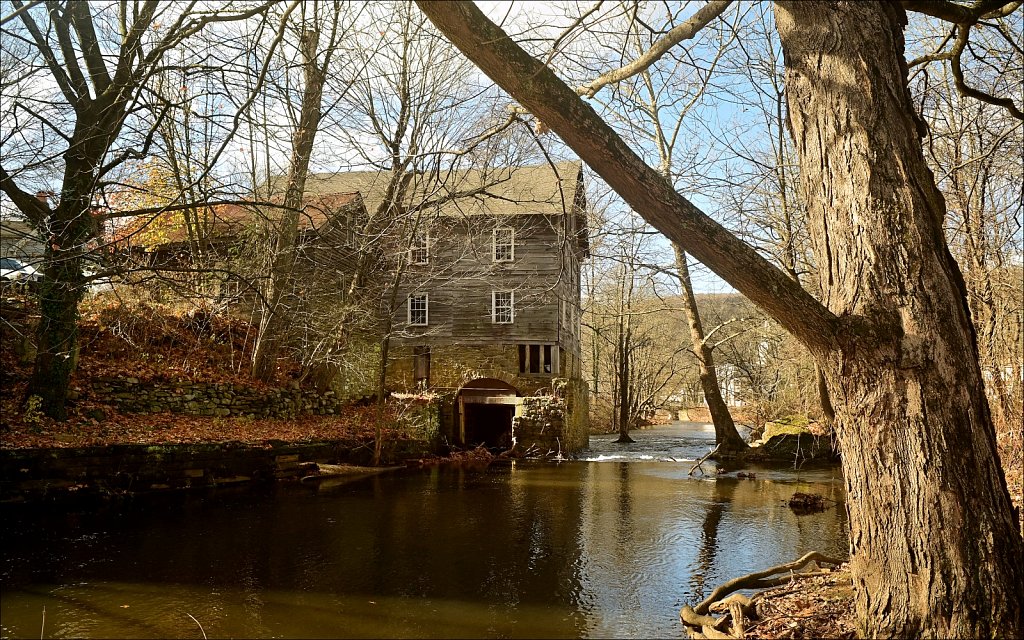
721, 498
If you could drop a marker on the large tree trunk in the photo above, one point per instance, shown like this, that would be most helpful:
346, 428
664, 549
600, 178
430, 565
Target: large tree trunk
624, 382
70, 226
62, 289
936, 549
725, 429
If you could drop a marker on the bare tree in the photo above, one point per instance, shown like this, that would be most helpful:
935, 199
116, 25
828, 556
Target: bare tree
101, 60
316, 62
663, 114
894, 336
975, 149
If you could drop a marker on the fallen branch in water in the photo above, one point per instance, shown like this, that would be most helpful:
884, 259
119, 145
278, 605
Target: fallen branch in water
805, 503
201, 630
702, 625
478, 457
699, 462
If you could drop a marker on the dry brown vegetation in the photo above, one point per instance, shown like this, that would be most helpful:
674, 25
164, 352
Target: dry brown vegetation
158, 344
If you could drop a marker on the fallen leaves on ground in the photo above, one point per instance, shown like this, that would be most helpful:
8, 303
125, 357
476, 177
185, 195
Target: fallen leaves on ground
356, 423
156, 345
816, 607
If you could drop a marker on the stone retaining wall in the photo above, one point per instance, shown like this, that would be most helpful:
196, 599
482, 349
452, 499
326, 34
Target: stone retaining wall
545, 427
41, 474
215, 399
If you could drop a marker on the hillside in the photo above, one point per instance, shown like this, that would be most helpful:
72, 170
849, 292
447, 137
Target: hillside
152, 345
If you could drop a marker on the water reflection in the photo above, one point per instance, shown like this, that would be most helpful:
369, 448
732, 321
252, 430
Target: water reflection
582, 549
721, 495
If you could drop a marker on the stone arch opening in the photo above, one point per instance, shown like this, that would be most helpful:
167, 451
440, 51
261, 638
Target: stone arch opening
486, 407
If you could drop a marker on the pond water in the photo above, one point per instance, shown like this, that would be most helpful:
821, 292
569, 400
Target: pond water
609, 546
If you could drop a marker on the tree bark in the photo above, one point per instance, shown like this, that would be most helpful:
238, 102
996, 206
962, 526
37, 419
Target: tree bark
936, 547
725, 429
624, 350
60, 293
937, 550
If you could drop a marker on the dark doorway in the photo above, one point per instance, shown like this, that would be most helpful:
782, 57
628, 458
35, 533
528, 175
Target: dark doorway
486, 408
489, 425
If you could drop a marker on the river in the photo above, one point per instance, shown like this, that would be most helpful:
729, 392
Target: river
608, 546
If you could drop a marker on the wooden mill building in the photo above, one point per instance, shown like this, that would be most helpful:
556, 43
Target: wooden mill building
487, 306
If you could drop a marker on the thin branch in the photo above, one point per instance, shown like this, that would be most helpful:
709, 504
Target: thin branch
961, 84
59, 75
685, 31
569, 30
939, 54
14, 14
27, 203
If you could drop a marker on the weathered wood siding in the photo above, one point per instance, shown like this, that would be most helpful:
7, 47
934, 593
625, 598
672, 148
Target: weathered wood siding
461, 276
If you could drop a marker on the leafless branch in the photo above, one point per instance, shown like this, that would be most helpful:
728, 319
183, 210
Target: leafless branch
684, 31
958, 13
570, 29
961, 84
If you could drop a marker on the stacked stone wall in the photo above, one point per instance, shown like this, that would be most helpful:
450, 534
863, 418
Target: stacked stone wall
554, 417
538, 429
213, 399
37, 474
577, 423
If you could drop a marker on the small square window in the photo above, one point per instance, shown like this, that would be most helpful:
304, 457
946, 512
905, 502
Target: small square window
504, 244
418, 309
502, 307
419, 250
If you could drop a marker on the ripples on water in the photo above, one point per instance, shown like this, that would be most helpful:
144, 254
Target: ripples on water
609, 546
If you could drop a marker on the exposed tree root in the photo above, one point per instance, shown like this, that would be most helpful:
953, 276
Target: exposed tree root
739, 607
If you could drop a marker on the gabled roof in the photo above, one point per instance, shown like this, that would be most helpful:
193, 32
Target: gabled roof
544, 189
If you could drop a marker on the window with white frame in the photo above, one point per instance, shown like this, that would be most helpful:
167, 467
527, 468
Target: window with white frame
418, 309
504, 244
502, 307
419, 250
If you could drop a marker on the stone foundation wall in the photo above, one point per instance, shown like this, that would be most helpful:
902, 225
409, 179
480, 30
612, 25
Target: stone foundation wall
538, 430
555, 424
577, 425
42, 474
198, 399
554, 417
